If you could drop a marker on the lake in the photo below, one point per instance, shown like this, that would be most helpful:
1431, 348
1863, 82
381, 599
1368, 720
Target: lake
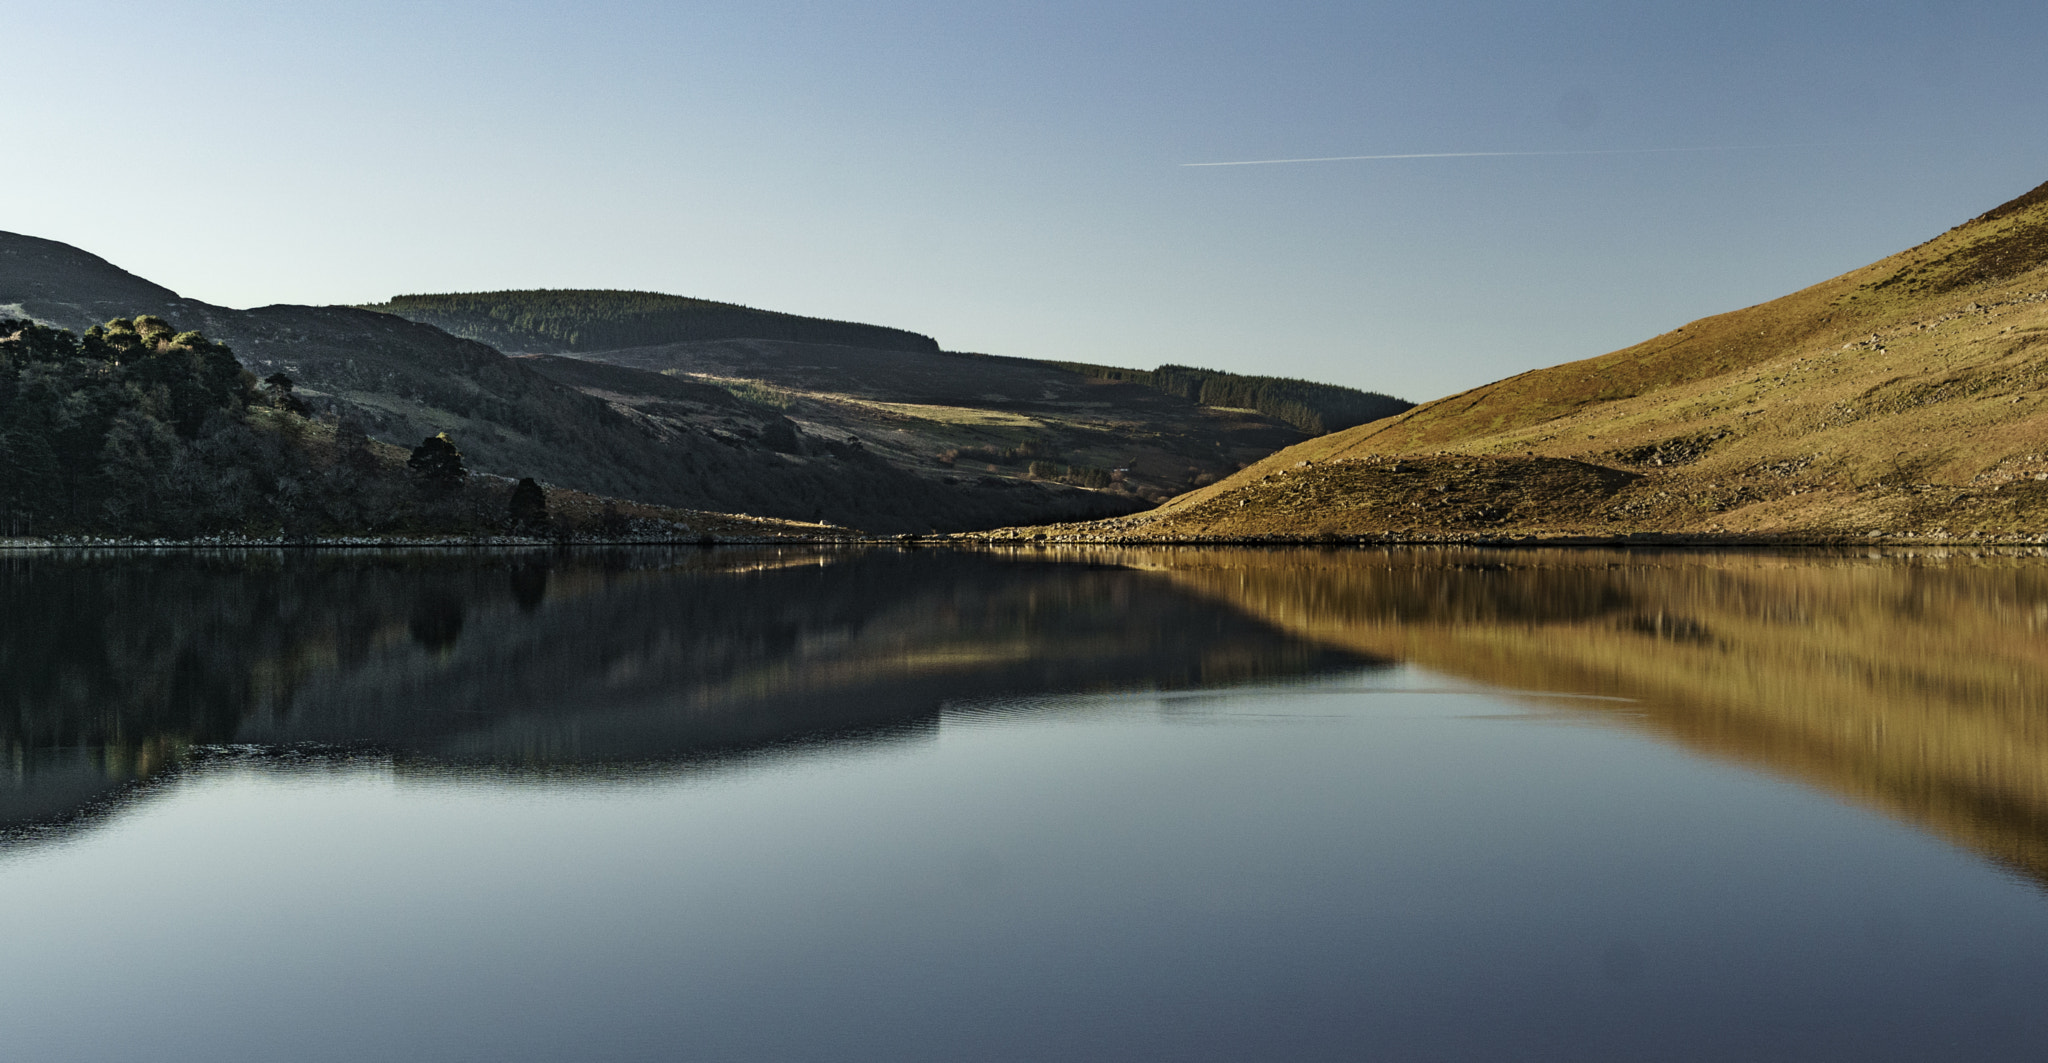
1071, 804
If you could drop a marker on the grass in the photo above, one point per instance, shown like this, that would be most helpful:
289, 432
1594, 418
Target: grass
949, 415
1906, 398
758, 394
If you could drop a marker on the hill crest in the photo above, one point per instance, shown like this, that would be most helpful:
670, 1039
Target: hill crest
575, 321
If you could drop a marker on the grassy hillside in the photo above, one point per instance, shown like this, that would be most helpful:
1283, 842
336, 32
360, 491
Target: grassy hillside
969, 421
1314, 408
1143, 434
592, 323
564, 322
1901, 399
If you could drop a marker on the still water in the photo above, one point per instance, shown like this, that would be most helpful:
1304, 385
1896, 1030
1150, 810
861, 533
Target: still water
1115, 804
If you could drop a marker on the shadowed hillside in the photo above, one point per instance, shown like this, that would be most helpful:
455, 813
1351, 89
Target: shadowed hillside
603, 325
1143, 434
402, 381
1314, 408
565, 322
1901, 399
715, 407
953, 418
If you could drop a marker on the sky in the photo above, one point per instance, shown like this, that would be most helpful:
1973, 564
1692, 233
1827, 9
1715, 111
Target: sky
1013, 178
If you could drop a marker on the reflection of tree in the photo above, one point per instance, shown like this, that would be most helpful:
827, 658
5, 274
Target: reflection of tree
135, 651
436, 620
529, 585
550, 659
99, 668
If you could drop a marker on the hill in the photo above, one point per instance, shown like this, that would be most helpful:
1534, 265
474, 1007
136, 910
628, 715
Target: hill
1903, 399
1145, 435
138, 430
401, 381
593, 324
1314, 408
948, 418
777, 416
567, 322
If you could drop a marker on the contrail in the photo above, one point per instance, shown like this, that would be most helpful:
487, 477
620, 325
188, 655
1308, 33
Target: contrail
1470, 155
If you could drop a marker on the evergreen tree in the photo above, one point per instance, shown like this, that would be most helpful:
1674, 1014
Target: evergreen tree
436, 464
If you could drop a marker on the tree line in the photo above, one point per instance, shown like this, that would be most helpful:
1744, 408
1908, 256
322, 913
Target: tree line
1314, 408
137, 429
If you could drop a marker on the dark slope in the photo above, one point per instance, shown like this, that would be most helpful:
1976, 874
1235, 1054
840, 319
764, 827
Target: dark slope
921, 378
1164, 429
407, 380
757, 460
565, 322
964, 416
523, 419
58, 284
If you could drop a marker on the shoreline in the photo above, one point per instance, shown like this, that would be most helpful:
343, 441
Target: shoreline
1019, 539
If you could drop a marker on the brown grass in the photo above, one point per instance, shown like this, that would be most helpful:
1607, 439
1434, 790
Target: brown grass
1908, 398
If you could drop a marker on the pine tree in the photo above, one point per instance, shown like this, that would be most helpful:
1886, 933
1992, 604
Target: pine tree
436, 464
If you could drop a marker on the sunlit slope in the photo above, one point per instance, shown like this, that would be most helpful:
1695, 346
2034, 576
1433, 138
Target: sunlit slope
1903, 397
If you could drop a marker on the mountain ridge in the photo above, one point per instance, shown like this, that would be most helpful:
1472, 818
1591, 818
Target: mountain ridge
571, 321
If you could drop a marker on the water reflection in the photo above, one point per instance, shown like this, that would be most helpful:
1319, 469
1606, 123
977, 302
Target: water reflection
558, 662
856, 824
1916, 683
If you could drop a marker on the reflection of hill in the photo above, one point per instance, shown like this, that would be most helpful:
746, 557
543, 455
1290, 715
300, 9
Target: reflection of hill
554, 661
1917, 684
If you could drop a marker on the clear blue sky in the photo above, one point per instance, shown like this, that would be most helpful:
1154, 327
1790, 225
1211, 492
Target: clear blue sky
1008, 178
